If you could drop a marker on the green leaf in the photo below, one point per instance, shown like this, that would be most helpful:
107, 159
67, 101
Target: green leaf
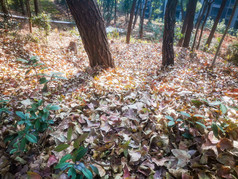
22, 60
63, 166
81, 152
223, 109
23, 144
95, 169
66, 157
216, 103
198, 115
87, 173
54, 108
201, 124
185, 114
43, 80
21, 114
83, 137
215, 129
72, 173
69, 133
169, 118
171, 123
61, 147
196, 103
28, 71
31, 138
45, 88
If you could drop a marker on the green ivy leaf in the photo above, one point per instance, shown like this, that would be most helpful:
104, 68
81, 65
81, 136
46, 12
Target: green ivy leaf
169, 118
215, 129
201, 124
72, 173
196, 103
23, 144
21, 114
61, 147
65, 158
171, 123
81, 152
185, 114
31, 138
54, 108
63, 166
69, 133
43, 80
216, 103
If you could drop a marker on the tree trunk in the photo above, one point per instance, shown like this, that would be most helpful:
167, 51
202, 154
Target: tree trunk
136, 13
128, 35
201, 11
182, 12
36, 4
22, 7
28, 9
224, 35
115, 13
204, 22
92, 31
4, 9
198, 24
150, 12
209, 40
189, 29
142, 21
168, 37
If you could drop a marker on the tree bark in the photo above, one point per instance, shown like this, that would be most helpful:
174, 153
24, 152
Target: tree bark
224, 35
142, 21
209, 40
189, 29
36, 4
184, 28
198, 24
182, 12
115, 13
204, 22
92, 31
28, 8
200, 12
128, 35
136, 13
168, 37
4, 9
22, 7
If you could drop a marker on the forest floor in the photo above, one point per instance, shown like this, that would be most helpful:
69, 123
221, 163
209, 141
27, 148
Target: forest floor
142, 121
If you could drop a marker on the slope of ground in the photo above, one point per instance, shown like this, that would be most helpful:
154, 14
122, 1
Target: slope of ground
142, 121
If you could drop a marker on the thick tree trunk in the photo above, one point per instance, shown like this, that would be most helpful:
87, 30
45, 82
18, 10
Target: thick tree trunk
224, 35
92, 31
209, 40
182, 11
4, 9
198, 24
168, 37
22, 7
28, 9
128, 35
136, 13
36, 4
204, 22
115, 13
189, 29
142, 21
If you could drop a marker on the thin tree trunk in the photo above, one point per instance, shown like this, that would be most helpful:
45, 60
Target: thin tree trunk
115, 13
224, 35
36, 4
142, 21
136, 13
150, 12
184, 28
201, 11
204, 22
182, 11
209, 40
128, 35
198, 25
22, 7
92, 31
28, 8
190, 23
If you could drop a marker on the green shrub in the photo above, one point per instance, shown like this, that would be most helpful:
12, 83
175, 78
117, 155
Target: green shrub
42, 21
